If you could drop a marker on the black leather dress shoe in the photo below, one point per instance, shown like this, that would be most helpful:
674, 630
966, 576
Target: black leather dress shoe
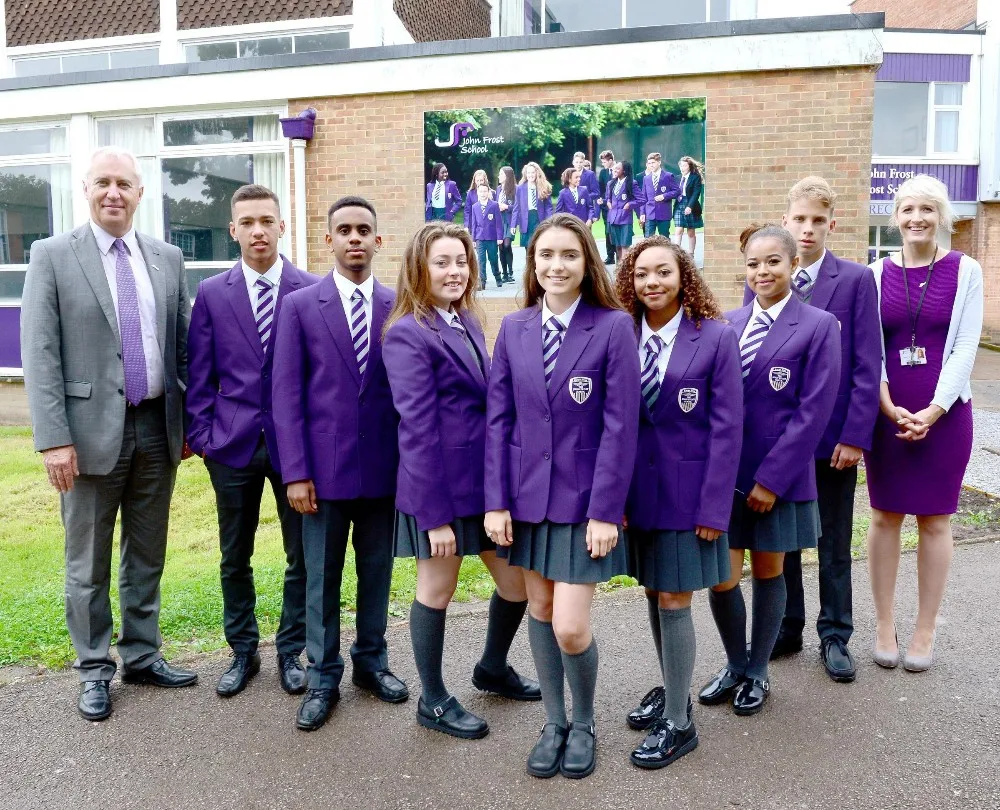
291, 674
750, 696
720, 688
649, 710
450, 717
383, 684
580, 754
510, 685
315, 708
161, 674
95, 700
546, 757
786, 644
664, 744
235, 679
837, 660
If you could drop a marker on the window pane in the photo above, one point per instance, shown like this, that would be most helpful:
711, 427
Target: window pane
307, 43
532, 16
948, 94
946, 131
11, 284
210, 51
196, 194
272, 46
44, 66
900, 119
203, 131
33, 141
196, 275
35, 203
890, 237
656, 12
573, 15
872, 235
137, 57
138, 135
84, 61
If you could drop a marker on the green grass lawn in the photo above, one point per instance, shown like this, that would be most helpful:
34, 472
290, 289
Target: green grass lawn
32, 625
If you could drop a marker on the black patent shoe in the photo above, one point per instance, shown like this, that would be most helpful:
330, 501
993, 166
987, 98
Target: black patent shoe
720, 688
291, 674
95, 700
383, 684
450, 717
161, 674
511, 685
649, 710
235, 679
837, 660
664, 744
580, 755
750, 696
546, 757
315, 708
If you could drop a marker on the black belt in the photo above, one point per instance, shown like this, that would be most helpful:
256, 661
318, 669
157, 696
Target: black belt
147, 404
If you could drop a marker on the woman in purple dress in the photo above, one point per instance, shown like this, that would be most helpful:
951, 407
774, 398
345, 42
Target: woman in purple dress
931, 306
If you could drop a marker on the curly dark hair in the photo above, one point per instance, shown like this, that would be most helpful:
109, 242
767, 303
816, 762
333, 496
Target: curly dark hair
696, 298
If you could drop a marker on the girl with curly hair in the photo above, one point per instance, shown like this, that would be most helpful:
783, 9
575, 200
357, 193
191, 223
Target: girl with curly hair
690, 430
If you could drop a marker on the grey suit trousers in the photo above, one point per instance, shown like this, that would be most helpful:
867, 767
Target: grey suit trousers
140, 486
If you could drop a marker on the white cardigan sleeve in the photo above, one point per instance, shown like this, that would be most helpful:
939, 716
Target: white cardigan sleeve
876, 268
968, 312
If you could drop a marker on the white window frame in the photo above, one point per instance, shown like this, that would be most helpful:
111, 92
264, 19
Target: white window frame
708, 12
263, 35
233, 33
933, 108
62, 53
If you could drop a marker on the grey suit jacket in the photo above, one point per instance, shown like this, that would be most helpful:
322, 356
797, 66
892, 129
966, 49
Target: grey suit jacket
71, 347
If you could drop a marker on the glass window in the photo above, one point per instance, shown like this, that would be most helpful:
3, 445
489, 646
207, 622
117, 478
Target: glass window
946, 131
205, 131
11, 281
35, 203
573, 15
900, 127
42, 66
656, 12
210, 51
137, 57
77, 63
271, 46
308, 43
532, 16
40, 141
948, 94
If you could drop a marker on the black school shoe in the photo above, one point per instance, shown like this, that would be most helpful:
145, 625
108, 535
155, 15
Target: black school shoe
511, 685
664, 744
95, 700
450, 717
720, 688
580, 756
545, 758
649, 710
315, 708
837, 660
235, 679
786, 644
750, 696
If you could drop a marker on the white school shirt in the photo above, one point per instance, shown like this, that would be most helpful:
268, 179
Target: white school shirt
437, 196
812, 270
564, 319
144, 293
250, 276
774, 311
668, 334
346, 288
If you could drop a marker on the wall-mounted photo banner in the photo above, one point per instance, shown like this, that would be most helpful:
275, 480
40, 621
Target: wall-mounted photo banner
469, 147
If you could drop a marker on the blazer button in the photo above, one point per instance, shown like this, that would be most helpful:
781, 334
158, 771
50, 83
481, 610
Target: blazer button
122, 392
545, 456
546, 417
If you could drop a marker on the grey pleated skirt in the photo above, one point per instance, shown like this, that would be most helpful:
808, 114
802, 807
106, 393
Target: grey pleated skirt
470, 537
789, 526
676, 562
558, 551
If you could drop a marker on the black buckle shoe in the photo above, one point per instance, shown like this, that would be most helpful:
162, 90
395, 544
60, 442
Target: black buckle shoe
837, 660
383, 684
235, 679
580, 754
291, 674
450, 717
649, 710
95, 700
664, 744
546, 756
161, 674
510, 685
750, 696
315, 708
720, 688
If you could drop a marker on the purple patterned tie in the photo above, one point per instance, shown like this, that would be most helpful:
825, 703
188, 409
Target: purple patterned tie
133, 355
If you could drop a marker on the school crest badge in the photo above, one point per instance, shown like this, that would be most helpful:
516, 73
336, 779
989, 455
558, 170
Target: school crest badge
687, 398
624, 196
490, 217
779, 377
580, 388
663, 188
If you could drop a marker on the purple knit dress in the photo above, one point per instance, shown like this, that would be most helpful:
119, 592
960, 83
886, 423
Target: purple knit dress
923, 477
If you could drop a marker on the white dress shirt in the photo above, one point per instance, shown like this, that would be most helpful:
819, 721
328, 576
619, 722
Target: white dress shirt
564, 319
774, 311
812, 270
273, 275
668, 334
346, 288
437, 196
147, 301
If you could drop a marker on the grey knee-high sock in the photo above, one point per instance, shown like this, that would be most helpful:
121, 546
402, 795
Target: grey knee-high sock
505, 618
427, 635
769, 597
677, 634
653, 607
549, 667
730, 614
581, 674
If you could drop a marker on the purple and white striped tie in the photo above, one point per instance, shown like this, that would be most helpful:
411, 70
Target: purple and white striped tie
752, 342
359, 330
264, 312
803, 285
650, 381
130, 327
552, 340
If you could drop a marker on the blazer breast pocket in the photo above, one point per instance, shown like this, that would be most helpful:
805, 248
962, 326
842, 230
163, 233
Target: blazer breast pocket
689, 400
77, 388
783, 377
580, 391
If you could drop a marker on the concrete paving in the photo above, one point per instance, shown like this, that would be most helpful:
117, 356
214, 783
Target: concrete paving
890, 740
986, 380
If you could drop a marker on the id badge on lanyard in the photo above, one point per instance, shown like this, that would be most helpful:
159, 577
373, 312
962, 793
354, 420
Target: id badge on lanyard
914, 355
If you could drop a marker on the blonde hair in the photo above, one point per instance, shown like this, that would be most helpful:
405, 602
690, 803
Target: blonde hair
479, 173
813, 188
544, 186
925, 187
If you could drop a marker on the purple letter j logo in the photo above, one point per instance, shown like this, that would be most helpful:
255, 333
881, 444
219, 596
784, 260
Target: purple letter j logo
457, 134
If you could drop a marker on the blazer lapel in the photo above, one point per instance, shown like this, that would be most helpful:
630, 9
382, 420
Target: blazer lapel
681, 357
332, 311
239, 301
531, 347
89, 255
826, 282
151, 255
780, 331
381, 307
577, 337
479, 340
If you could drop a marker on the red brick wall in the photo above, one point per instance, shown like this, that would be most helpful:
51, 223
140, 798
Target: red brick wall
986, 250
950, 15
37, 22
431, 20
210, 13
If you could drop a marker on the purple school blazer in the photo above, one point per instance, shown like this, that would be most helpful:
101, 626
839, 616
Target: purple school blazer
583, 210
589, 181
471, 199
335, 427
486, 226
564, 454
689, 444
519, 211
847, 291
228, 400
452, 201
440, 395
617, 213
787, 399
668, 187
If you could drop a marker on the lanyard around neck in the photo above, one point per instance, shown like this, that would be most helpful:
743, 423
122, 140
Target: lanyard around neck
915, 316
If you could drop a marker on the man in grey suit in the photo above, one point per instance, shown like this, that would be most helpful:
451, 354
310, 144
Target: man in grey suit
104, 326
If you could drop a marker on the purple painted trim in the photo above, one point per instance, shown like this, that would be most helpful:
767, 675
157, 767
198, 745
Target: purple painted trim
10, 337
925, 67
962, 181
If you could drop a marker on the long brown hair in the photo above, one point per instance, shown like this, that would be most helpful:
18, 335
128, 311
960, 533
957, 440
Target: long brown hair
413, 288
542, 186
696, 298
596, 287
694, 167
